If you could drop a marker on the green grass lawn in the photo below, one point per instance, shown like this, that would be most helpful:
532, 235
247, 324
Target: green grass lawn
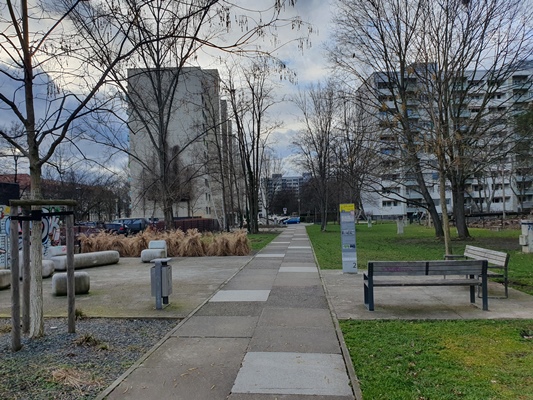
423, 360
381, 242
260, 240
426, 360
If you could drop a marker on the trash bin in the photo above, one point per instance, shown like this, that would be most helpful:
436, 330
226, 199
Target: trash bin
161, 281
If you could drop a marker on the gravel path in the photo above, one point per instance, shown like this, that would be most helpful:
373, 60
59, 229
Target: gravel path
75, 366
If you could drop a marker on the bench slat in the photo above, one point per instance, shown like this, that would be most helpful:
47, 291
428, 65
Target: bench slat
427, 282
416, 268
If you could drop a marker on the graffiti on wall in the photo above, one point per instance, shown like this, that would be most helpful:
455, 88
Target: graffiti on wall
50, 233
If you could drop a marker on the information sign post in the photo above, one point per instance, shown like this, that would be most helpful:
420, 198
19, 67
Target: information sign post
349, 251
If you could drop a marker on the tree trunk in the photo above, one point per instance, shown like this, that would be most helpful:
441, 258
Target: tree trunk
36, 256
459, 211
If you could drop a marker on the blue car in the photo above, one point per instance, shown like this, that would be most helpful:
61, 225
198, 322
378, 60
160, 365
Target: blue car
291, 220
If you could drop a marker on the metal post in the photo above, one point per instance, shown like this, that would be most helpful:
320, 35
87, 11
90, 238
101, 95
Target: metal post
15, 288
71, 288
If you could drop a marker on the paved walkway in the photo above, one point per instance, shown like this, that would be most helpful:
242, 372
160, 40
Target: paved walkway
267, 334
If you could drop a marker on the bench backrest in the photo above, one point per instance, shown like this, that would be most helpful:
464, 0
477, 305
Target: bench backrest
498, 258
444, 267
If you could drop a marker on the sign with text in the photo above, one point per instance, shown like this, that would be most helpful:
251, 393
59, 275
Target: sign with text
349, 251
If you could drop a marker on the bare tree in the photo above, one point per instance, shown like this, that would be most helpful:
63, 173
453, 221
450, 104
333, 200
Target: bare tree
318, 105
469, 53
356, 153
270, 184
375, 44
251, 95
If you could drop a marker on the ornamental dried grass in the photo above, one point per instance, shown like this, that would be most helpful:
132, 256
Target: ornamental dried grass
117, 243
86, 243
220, 246
192, 245
241, 244
179, 244
174, 241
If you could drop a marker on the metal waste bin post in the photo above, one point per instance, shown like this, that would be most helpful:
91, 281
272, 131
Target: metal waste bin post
526, 238
161, 281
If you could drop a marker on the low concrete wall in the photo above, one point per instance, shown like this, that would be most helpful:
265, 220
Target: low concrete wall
87, 260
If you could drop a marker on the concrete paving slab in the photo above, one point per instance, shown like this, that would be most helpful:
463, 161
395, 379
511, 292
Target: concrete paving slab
242, 309
265, 263
273, 243
298, 269
297, 279
192, 369
260, 282
299, 340
300, 247
293, 373
240, 295
298, 257
295, 317
301, 297
270, 255
299, 264
216, 326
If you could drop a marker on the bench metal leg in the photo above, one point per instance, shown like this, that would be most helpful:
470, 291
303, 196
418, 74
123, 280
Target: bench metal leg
368, 288
484, 292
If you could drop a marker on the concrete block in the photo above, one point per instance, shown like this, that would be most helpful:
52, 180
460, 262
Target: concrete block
157, 244
57, 251
148, 255
47, 267
5, 278
82, 283
86, 260
156, 249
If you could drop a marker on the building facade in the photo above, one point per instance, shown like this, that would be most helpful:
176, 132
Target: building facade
501, 169
176, 121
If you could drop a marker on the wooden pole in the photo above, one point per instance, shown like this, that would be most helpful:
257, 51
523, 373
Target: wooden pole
71, 285
15, 285
26, 272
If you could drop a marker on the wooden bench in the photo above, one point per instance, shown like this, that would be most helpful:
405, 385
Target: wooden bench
470, 273
498, 262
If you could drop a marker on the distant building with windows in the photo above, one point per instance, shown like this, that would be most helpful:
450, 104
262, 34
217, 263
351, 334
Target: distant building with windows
505, 185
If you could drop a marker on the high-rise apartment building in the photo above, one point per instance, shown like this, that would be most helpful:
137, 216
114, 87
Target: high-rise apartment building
503, 177
176, 119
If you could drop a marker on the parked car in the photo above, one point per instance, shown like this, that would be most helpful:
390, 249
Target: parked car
134, 225
291, 220
116, 227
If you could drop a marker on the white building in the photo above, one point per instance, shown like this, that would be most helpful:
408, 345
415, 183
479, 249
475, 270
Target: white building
172, 129
503, 186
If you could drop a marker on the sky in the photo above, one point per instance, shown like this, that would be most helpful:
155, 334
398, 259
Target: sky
309, 64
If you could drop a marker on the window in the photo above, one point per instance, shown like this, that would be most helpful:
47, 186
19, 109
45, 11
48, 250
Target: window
389, 203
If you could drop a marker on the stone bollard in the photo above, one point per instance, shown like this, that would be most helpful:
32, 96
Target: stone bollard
82, 283
5, 278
